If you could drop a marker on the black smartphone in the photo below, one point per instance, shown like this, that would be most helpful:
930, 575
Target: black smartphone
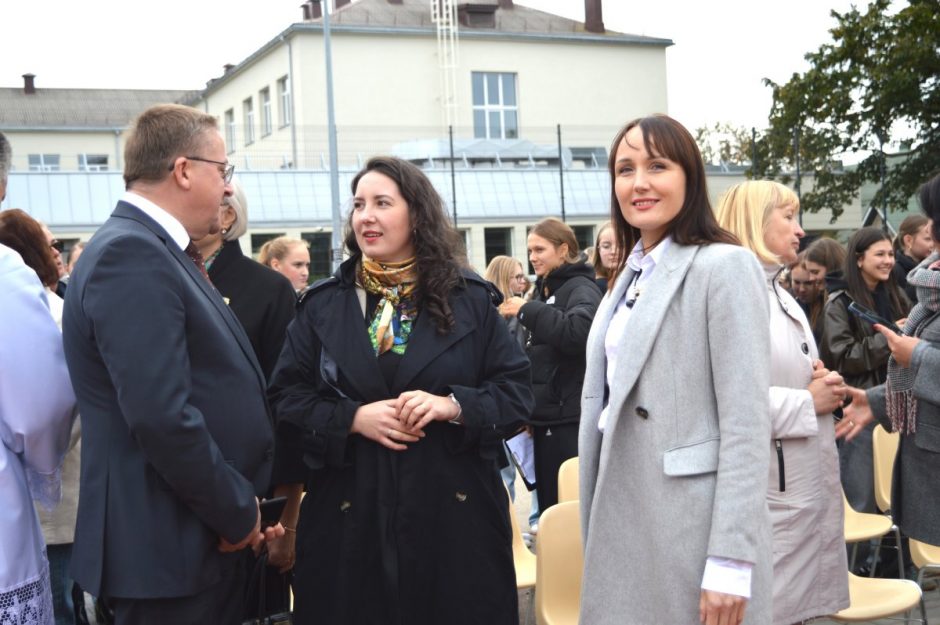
271, 510
872, 317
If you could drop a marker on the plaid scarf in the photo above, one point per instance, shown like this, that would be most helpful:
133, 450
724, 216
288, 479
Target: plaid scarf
394, 316
901, 403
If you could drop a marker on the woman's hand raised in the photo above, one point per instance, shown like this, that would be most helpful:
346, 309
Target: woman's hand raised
379, 422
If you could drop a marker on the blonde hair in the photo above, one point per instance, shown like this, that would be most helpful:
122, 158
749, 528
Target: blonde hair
239, 204
500, 272
745, 209
278, 248
556, 232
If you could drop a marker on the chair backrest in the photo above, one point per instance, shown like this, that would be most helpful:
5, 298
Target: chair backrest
924, 554
568, 487
884, 450
523, 559
559, 564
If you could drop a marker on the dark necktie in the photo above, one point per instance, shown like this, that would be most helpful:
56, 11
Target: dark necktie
194, 255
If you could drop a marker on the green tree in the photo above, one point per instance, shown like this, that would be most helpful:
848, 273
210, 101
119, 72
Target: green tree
874, 89
724, 144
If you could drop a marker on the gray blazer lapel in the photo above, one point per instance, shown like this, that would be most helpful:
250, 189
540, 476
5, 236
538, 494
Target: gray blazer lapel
647, 315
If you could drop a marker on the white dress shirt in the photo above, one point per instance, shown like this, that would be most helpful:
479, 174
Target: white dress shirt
167, 221
725, 575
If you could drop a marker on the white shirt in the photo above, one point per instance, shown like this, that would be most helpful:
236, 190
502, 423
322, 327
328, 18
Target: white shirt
725, 575
167, 221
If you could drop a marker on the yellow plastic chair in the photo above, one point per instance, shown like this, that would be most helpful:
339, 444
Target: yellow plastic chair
568, 487
884, 450
925, 557
871, 599
521, 556
560, 563
864, 526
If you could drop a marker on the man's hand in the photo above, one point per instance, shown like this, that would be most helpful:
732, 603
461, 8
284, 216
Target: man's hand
253, 539
718, 608
902, 347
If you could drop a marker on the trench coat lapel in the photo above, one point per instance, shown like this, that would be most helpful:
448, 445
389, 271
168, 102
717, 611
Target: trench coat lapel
341, 327
648, 314
425, 344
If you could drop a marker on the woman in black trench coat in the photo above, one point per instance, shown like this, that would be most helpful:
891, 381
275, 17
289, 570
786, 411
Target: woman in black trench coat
396, 384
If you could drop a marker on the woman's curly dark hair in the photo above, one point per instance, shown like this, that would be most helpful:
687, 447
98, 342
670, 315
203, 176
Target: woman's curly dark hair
436, 243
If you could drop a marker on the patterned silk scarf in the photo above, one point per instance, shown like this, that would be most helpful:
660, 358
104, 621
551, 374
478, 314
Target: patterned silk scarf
902, 405
394, 316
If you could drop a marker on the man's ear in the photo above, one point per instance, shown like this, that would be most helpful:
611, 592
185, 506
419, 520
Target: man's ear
180, 173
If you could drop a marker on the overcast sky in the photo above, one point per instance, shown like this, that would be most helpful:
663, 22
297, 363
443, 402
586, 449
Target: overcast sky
723, 48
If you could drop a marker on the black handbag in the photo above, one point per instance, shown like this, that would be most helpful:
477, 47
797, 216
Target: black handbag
267, 601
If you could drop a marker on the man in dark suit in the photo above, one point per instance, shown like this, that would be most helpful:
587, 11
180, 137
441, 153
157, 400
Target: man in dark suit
177, 439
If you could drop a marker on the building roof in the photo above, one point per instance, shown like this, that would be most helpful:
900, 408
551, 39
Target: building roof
80, 109
517, 19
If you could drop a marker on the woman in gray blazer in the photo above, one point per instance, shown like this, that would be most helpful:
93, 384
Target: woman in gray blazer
909, 402
674, 420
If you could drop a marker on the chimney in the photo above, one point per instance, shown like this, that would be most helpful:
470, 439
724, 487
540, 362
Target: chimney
339, 4
227, 68
505, 4
593, 17
29, 87
305, 7
316, 10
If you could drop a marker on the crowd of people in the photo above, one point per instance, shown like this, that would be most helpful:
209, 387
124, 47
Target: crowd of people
711, 372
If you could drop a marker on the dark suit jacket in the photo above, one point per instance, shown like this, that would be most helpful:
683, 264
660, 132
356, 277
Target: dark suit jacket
261, 298
176, 432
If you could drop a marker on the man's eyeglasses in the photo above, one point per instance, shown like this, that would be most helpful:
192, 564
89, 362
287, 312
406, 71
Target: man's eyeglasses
57, 245
227, 171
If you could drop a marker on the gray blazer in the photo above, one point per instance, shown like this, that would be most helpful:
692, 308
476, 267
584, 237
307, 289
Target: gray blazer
680, 472
915, 490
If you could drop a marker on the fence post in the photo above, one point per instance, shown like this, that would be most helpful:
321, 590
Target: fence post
561, 172
453, 176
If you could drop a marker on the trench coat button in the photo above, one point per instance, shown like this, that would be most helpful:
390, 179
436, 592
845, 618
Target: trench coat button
805, 348
642, 412
461, 497
343, 507
268, 454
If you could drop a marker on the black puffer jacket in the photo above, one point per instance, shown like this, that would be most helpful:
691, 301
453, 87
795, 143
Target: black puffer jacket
559, 320
902, 266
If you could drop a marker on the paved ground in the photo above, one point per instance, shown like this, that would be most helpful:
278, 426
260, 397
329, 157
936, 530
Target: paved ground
526, 602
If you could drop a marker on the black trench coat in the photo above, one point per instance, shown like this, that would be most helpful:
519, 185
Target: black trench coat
415, 537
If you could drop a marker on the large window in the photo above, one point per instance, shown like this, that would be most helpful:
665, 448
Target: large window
230, 130
248, 111
44, 162
283, 94
264, 96
92, 162
258, 240
320, 254
497, 242
495, 108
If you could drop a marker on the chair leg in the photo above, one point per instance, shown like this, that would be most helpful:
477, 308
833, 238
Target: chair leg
923, 609
902, 571
852, 559
874, 560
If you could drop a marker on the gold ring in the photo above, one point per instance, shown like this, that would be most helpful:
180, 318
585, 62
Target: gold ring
852, 423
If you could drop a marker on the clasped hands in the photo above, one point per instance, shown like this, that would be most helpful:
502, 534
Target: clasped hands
395, 422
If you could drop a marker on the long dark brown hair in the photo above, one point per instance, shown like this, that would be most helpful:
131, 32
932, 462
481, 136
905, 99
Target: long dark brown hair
22, 233
436, 243
856, 286
695, 224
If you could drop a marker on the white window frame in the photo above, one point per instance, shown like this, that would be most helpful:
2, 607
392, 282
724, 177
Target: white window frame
230, 130
248, 112
267, 126
283, 91
500, 107
84, 166
43, 166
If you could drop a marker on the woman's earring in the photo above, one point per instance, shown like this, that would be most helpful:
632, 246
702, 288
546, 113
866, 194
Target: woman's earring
224, 231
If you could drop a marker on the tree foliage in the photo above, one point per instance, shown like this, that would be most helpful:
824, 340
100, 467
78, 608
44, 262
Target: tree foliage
874, 89
724, 144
